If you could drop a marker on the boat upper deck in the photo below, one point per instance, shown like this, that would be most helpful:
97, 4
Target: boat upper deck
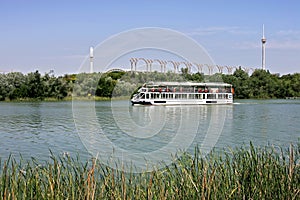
185, 84
186, 87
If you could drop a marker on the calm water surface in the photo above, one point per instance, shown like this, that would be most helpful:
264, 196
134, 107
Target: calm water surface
34, 128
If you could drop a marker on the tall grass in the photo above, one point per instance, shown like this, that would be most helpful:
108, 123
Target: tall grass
244, 173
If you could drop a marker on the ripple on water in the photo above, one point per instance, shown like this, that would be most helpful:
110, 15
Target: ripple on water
34, 128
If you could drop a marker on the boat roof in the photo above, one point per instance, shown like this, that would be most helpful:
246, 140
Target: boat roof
153, 84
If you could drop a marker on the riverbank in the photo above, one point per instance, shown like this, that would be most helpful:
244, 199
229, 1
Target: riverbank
96, 98
242, 173
70, 98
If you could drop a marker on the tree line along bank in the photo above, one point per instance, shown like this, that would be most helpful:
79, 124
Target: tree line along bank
34, 85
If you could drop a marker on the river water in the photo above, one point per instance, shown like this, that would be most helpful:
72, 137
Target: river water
32, 129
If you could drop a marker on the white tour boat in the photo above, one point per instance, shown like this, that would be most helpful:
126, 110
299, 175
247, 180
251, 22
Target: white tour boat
183, 93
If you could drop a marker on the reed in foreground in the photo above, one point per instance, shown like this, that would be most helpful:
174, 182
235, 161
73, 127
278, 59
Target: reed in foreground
244, 173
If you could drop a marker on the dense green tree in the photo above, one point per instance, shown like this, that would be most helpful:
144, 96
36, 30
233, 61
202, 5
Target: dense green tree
105, 86
57, 88
240, 82
291, 85
261, 84
35, 85
198, 77
185, 73
213, 78
16, 86
85, 84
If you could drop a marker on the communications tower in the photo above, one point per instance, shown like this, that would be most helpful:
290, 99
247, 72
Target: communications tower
263, 57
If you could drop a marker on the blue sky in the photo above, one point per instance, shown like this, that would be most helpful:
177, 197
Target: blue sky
56, 35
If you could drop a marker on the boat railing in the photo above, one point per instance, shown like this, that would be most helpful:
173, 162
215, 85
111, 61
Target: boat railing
179, 90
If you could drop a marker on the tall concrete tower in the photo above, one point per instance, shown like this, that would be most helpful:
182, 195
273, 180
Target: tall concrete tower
91, 59
263, 56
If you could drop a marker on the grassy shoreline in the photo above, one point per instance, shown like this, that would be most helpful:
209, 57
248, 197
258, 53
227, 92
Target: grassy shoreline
90, 98
242, 173
96, 98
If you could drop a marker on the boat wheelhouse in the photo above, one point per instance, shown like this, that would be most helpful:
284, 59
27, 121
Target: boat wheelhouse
183, 93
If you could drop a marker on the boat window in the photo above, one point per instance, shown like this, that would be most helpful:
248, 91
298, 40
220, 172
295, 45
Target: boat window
147, 96
198, 96
211, 96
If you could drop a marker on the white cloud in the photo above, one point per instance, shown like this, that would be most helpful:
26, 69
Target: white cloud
289, 33
217, 30
276, 44
247, 45
75, 56
284, 44
282, 39
79, 56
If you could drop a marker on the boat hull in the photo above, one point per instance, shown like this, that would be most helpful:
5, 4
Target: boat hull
183, 102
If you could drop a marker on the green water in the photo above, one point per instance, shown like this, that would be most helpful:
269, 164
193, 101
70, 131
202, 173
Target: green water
32, 128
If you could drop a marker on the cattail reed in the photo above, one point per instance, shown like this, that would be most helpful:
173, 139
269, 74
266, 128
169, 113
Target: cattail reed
242, 173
